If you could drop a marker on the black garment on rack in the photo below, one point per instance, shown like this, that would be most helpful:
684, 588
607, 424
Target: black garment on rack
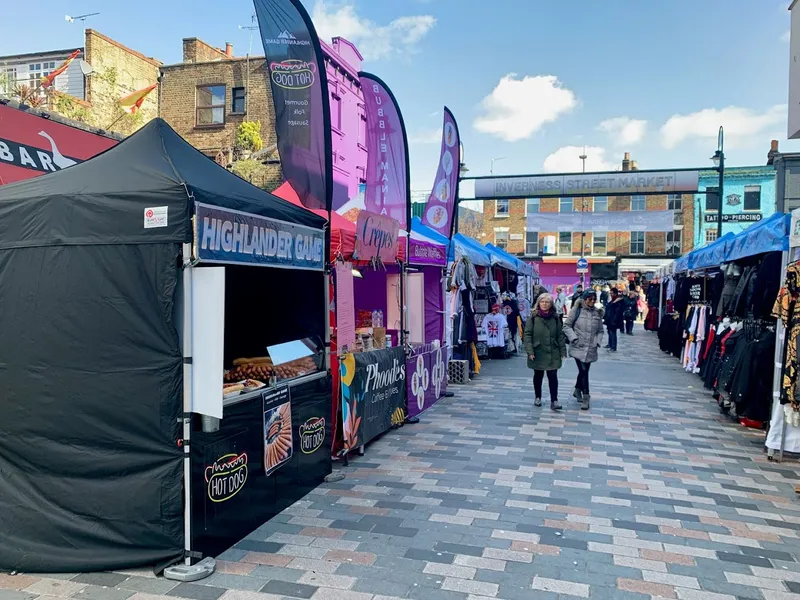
714, 291
670, 334
751, 386
729, 286
744, 288
768, 282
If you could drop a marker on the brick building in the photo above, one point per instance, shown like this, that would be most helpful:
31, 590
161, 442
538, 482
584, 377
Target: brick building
207, 96
612, 254
90, 89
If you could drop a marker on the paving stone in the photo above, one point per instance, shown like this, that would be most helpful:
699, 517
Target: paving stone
150, 585
194, 591
55, 587
6, 594
94, 592
287, 588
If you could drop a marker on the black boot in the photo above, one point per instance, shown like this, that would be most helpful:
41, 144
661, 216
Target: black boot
537, 402
554, 405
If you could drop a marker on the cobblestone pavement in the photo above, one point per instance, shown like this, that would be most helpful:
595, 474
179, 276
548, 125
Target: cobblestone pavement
651, 494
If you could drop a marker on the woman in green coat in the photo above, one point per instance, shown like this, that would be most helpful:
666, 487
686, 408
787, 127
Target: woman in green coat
546, 348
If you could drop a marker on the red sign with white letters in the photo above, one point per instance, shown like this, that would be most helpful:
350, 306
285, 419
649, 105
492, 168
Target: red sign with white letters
31, 145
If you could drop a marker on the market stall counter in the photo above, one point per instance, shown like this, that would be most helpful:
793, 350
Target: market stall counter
130, 284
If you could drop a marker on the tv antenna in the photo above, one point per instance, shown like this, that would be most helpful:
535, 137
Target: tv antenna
82, 18
251, 28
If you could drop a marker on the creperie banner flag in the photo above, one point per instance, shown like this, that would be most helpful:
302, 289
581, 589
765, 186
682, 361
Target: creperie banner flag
31, 145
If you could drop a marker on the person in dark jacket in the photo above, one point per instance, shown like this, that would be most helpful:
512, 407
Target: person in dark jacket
577, 295
613, 318
630, 310
546, 347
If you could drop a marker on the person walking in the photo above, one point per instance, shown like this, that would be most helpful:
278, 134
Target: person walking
630, 310
613, 318
584, 331
576, 296
546, 348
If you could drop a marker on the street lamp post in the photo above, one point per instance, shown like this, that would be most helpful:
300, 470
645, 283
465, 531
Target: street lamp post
491, 168
462, 171
583, 158
719, 166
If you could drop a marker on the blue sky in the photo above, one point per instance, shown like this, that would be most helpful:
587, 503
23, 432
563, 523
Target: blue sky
532, 81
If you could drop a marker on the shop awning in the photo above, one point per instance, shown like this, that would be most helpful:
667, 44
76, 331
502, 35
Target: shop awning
768, 235
501, 258
713, 254
643, 265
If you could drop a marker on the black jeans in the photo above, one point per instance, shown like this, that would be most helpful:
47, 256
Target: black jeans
612, 338
552, 383
629, 326
582, 382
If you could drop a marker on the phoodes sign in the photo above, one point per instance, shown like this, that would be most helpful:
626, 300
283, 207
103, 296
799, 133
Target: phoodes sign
31, 145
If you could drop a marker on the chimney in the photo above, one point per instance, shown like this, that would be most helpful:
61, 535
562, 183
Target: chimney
626, 162
228, 49
634, 165
773, 150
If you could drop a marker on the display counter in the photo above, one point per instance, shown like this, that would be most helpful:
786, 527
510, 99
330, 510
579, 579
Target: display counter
239, 480
373, 392
426, 377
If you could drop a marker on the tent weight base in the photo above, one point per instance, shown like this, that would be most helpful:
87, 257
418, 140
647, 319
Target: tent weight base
196, 572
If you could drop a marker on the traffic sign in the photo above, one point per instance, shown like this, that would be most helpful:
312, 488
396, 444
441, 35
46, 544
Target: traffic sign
582, 263
582, 270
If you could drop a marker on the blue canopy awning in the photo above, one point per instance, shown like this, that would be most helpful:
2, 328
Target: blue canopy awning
714, 253
768, 235
502, 258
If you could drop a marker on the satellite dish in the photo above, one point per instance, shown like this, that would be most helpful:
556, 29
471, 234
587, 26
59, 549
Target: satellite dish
69, 19
86, 68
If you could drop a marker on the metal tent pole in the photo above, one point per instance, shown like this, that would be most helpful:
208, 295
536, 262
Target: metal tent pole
187, 400
780, 334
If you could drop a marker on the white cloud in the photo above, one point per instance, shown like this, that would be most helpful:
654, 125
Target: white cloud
566, 160
431, 136
373, 41
741, 125
624, 130
517, 108
787, 36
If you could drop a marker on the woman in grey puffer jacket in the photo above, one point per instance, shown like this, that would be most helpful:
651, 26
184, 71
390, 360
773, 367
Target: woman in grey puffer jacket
584, 331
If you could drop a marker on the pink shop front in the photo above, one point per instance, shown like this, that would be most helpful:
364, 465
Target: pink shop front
561, 274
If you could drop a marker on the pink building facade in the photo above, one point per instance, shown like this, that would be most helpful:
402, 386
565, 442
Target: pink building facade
348, 125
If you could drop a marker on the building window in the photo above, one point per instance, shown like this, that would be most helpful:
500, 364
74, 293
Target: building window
531, 206
599, 243
711, 235
237, 100
362, 129
8, 80
638, 203
637, 242
210, 105
532, 243
501, 208
565, 242
501, 239
565, 205
674, 202
674, 242
38, 70
712, 198
752, 197
601, 204
336, 111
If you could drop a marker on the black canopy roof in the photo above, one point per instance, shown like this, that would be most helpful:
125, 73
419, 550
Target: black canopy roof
103, 200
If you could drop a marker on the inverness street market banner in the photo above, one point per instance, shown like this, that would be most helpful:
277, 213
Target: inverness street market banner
373, 389
426, 378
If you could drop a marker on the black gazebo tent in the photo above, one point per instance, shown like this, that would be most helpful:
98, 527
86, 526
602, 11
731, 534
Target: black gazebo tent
91, 364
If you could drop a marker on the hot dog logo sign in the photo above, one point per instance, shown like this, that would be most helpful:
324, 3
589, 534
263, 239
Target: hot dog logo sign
226, 476
312, 435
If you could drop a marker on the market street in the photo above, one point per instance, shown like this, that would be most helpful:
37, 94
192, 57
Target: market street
650, 494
